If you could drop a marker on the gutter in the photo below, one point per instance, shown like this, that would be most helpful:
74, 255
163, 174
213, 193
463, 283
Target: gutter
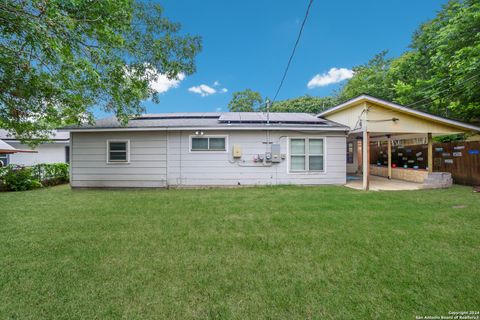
341, 129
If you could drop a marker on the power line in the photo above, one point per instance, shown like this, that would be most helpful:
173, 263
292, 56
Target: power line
425, 99
447, 95
293, 52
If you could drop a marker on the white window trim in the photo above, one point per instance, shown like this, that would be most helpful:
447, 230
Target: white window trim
207, 136
313, 172
108, 151
7, 159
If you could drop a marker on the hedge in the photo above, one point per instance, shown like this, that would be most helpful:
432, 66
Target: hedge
18, 178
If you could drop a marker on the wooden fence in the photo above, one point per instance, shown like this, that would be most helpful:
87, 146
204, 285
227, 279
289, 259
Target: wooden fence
461, 159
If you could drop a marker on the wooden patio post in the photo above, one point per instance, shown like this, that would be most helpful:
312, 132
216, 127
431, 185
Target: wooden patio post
366, 160
430, 153
389, 152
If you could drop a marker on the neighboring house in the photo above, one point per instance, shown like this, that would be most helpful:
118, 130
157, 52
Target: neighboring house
54, 151
6, 150
244, 148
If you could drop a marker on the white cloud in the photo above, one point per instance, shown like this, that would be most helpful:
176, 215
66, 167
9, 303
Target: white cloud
158, 81
334, 75
206, 90
163, 84
202, 90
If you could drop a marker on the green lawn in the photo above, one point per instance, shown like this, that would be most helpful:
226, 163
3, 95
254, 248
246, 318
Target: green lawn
272, 252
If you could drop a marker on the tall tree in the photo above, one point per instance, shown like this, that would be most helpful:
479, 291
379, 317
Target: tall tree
446, 56
245, 101
306, 103
61, 58
372, 78
439, 74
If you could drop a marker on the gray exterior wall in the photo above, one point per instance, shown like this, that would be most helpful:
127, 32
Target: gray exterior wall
160, 158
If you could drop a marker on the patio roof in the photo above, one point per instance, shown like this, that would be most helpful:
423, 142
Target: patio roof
386, 116
5, 148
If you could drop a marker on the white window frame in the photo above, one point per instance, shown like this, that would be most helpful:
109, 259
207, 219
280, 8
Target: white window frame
208, 136
117, 161
7, 159
307, 171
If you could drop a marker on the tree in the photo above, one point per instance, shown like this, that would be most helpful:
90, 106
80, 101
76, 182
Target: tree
440, 73
371, 78
61, 58
446, 56
245, 101
306, 103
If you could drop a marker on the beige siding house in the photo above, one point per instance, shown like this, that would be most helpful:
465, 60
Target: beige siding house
371, 120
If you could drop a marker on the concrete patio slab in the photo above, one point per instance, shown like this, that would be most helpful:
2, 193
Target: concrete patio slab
384, 184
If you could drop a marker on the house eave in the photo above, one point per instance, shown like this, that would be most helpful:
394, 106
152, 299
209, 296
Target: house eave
223, 128
465, 127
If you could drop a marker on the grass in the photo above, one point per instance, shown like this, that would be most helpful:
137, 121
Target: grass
270, 252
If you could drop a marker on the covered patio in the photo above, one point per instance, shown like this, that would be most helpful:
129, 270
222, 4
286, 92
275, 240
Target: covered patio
381, 123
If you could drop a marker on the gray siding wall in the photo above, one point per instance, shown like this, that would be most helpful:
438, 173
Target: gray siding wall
164, 158
147, 167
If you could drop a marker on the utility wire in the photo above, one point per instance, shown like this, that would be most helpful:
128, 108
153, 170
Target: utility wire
293, 52
447, 95
425, 99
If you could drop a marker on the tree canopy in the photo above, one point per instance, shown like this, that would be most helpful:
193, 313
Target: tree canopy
440, 73
245, 101
61, 58
306, 103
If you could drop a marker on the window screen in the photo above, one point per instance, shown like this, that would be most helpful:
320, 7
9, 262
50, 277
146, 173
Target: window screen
208, 144
118, 151
306, 155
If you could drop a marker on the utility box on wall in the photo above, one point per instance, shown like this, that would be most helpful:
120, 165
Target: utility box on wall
237, 151
275, 150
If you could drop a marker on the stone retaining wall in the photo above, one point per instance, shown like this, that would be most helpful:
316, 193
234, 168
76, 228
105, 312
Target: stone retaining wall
413, 175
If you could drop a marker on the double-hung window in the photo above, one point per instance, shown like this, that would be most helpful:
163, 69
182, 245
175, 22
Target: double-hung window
307, 154
208, 144
118, 151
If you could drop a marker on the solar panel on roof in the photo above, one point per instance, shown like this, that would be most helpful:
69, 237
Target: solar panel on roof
260, 117
180, 115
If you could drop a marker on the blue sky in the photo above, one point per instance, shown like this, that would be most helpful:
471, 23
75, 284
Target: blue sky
246, 44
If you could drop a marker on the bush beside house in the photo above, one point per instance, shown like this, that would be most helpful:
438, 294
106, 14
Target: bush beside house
17, 178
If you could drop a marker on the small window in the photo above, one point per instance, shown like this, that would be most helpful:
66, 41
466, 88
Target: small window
350, 152
118, 151
306, 155
67, 154
208, 144
3, 160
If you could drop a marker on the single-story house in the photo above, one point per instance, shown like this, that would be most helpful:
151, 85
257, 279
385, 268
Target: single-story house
56, 150
244, 148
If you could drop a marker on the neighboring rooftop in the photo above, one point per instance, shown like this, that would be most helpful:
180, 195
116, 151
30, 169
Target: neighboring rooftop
55, 136
218, 120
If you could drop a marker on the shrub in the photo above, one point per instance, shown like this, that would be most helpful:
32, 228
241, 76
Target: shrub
20, 179
17, 178
51, 174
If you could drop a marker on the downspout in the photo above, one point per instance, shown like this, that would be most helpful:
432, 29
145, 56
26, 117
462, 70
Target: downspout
180, 158
166, 160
